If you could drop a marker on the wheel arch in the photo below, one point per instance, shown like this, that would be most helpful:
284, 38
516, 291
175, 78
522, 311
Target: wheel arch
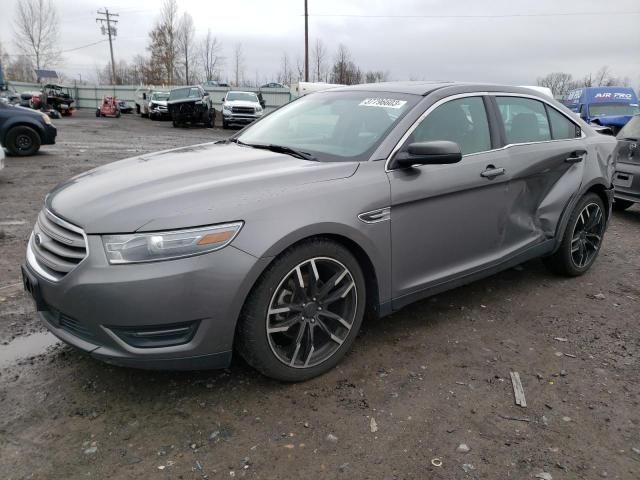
599, 188
372, 284
21, 123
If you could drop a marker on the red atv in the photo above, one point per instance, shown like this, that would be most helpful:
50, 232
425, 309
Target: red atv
109, 108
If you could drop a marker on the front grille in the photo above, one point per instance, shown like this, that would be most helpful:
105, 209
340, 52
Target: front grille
245, 110
58, 246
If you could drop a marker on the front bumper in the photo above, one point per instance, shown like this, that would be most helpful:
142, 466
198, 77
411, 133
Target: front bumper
239, 118
49, 135
88, 306
626, 181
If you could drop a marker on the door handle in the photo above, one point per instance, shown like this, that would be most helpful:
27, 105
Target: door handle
576, 157
492, 172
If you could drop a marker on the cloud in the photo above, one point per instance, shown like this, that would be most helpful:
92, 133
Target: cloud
420, 39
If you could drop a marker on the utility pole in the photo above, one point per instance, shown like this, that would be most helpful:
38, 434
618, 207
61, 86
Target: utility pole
110, 30
306, 42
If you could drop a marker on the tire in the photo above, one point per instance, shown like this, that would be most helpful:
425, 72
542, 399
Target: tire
310, 345
567, 259
138, 109
621, 205
209, 122
97, 112
175, 124
225, 125
22, 141
118, 114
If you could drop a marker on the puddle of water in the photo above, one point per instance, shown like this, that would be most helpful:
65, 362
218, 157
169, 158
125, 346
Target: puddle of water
23, 347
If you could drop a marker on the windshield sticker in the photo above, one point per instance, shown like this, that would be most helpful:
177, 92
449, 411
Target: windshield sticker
382, 102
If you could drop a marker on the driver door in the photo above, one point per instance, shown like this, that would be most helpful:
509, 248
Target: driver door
447, 220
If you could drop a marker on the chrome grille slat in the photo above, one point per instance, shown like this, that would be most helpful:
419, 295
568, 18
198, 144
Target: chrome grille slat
59, 233
57, 246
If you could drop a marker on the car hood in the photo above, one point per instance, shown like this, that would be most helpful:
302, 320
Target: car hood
241, 103
612, 120
185, 187
159, 102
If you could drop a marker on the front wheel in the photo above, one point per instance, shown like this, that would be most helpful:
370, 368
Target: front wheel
582, 238
304, 313
22, 141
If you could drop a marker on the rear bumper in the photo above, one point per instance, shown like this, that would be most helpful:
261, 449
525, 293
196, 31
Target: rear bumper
627, 181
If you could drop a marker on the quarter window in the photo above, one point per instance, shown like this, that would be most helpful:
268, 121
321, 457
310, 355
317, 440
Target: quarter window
525, 120
463, 121
561, 126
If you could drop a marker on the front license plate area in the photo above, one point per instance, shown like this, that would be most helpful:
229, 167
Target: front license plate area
31, 285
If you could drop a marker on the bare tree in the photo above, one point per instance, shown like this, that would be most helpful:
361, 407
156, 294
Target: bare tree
238, 63
319, 53
36, 31
285, 76
376, 76
209, 53
559, 82
163, 46
344, 70
603, 77
185, 39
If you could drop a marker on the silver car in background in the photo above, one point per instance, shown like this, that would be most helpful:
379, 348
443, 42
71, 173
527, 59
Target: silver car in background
276, 242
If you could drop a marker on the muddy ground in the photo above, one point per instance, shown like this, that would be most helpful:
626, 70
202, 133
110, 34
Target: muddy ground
416, 386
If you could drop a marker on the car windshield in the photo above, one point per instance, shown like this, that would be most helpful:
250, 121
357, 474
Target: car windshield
631, 129
160, 96
332, 126
600, 109
246, 96
181, 93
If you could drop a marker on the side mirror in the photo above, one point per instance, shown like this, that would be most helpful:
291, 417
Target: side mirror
438, 152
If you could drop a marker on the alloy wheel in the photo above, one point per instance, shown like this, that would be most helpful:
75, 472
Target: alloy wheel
587, 235
311, 312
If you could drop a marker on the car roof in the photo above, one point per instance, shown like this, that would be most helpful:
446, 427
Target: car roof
241, 91
424, 88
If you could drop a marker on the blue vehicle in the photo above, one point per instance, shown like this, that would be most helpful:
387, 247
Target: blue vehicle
609, 107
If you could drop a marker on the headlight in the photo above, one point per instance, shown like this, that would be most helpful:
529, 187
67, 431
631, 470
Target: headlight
226, 107
46, 119
259, 109
153, 247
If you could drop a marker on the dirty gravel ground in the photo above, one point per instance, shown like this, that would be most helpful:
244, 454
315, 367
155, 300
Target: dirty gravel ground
432, 376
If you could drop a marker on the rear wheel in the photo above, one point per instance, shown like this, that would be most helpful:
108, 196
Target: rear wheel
98, 112
621, 205
582, 238
22, 141
304, 313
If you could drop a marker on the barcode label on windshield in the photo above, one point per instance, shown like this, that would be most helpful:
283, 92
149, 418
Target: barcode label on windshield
382, 102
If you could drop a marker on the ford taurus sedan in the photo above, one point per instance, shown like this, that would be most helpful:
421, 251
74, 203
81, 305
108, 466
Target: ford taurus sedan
276, 242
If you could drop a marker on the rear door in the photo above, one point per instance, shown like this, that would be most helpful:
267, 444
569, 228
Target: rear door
546, 157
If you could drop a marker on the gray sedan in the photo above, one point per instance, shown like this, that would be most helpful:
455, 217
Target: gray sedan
275, 243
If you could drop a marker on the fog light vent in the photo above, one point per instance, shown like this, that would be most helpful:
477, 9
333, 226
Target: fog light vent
155, 336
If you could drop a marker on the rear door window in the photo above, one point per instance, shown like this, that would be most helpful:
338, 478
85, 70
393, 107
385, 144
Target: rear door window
561, 127
525, 120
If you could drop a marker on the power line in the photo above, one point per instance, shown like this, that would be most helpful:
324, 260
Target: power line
109, 28
61, 51
508, 15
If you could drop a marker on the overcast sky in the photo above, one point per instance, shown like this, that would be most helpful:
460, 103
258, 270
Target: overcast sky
501, 41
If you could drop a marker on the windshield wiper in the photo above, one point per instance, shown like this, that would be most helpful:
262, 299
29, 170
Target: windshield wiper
629, 139
283, 149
